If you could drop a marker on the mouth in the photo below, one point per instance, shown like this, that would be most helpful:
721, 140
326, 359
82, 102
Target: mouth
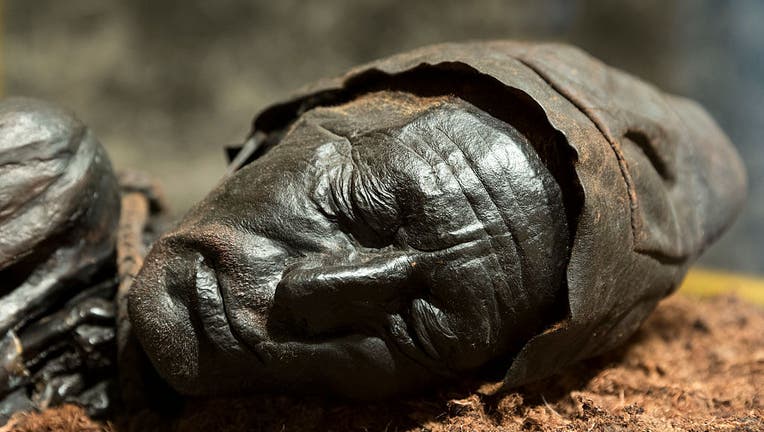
213, 314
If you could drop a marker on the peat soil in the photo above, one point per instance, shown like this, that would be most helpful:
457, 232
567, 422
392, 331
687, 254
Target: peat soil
695, 365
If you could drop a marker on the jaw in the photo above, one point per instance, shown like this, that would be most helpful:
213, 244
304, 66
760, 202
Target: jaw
181, 319
181, 348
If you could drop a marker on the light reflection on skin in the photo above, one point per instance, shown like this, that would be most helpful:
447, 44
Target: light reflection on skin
391, 241
391, 253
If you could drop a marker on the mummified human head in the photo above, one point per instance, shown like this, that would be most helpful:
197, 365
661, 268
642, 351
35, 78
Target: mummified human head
441, 211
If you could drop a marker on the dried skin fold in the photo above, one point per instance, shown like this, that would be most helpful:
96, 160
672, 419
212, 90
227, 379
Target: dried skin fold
465, 221
644, 160
627, 186
384, 236
59, 205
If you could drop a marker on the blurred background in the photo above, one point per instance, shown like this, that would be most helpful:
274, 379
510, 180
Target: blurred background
165, 84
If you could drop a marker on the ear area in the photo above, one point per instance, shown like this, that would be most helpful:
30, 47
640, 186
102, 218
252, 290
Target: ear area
315, 298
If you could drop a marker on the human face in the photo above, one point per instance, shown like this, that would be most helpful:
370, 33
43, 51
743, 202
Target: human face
381, 245
390, 241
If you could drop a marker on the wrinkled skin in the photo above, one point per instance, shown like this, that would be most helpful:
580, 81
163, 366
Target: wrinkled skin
59, 208
387, 235
347, 251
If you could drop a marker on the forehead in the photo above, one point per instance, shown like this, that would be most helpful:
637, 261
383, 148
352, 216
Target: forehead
374, 111
444, 171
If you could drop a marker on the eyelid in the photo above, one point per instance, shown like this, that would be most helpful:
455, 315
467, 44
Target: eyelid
361, 200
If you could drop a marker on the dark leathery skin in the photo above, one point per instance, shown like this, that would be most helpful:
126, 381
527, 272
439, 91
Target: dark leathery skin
441, 211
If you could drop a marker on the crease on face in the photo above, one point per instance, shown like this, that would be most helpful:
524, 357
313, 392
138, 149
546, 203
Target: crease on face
358, 194
443, 161
397, 241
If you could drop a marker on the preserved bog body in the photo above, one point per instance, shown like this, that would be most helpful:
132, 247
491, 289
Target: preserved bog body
461, 208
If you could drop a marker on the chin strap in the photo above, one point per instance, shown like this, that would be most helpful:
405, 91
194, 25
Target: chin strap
143, 205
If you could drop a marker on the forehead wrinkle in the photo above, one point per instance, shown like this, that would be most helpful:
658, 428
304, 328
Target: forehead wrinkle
512, 153
423, 138
485, 219
406, 147
379, 104
504, 239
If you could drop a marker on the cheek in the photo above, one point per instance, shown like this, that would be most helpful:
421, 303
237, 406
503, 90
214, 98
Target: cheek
467, 309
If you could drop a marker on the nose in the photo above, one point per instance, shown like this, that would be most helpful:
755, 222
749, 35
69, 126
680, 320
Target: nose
160, 317
222, 278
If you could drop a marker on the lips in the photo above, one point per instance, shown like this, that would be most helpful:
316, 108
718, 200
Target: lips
211, 308
212, 311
